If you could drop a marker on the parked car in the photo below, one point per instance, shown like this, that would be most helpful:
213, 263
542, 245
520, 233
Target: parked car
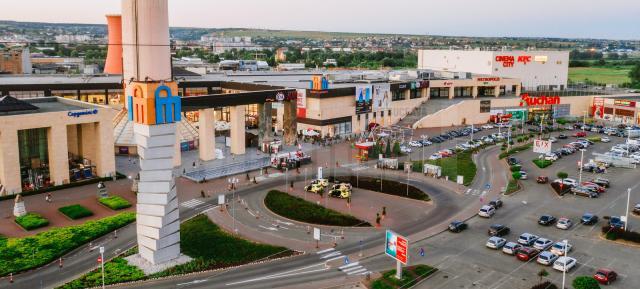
553, 140
527, 239
589, 219
584, 192
601, 181
542, 179
580, 134
496, 242
567, 181
547, 220
523, 175
487, 126
487, 211
496, 203
605, 139
547, 258
559, 248
498, 230
542, 244
593, 187
605, 276
636, 209
564, 264
512, 161
564, 224
457, 226
435, 157
526, 253
616, 222
511, 248
562, 136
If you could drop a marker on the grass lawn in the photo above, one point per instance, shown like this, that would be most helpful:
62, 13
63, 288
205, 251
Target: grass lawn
606, 75
202, 240
410, 277
115, 202
459, 164
32, 221
298, 209
515, 150
20, 254
75, 212
512, 187
541, 163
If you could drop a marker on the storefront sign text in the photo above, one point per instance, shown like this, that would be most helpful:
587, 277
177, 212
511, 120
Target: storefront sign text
487, 79
510, 60
624, 102
82, 112
538, 100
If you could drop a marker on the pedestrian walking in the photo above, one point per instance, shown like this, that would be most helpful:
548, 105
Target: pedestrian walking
384, 212
49, 198
202, 193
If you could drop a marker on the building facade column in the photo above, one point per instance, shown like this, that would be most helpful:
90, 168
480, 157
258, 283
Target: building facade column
106, 161
207, 134
279, 118
518, 90
10, 161
452, 92
474, 91
265, 132
427, 92
237, 119
290, 123
59, 154
496, 91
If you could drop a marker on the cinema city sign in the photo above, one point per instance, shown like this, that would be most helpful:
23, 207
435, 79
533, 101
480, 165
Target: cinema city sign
510, 60
538, 100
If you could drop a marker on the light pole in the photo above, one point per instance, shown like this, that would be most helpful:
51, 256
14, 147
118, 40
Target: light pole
102, 264
423, 139
581, 165
233, 182
564, 265
584, 120
626, 220
305, 183
286, 172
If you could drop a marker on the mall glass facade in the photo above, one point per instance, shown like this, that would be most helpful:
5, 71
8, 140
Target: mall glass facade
34, 158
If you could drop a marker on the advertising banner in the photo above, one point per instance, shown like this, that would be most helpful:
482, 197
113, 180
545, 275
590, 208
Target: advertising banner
301, 103
517, 114
381, 96
541, 146
396, 247
363, 99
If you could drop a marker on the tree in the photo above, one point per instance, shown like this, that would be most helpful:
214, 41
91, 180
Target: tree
541, 274
396, 149
516, 175
585, 282
387, 151
562, 175
634, 74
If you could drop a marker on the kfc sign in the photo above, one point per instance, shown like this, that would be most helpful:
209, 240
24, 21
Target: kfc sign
510, 60
538, 100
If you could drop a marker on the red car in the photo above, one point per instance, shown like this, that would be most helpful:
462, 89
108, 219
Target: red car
580, 134
527, 253
542, 179
605, 276
594, 186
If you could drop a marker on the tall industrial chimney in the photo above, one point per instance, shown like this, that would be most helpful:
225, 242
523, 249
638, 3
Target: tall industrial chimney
113, 64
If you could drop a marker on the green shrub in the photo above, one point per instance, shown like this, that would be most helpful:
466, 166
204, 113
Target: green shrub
116, 271
75, 212
595, 138
515, 168
512, 187
388, 186
32, 221
515, 150
115, 202
617, 233
410, 277
516, 175
301, 210
585, 282
541, 163
20, 254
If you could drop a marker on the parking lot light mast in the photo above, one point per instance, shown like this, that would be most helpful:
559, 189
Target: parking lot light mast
584, 120
581, 165
626, 221
564, 265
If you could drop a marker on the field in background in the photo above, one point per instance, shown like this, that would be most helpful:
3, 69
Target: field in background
606, 75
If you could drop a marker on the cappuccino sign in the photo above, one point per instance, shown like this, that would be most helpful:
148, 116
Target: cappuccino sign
82, 112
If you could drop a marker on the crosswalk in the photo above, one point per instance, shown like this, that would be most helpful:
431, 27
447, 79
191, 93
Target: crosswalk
195, 203
475, 192
354, 268
355, 166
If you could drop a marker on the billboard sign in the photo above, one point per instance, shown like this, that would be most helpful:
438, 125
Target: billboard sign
301, 103
396, 247
541, 146
381, 96
624, 102
363, 99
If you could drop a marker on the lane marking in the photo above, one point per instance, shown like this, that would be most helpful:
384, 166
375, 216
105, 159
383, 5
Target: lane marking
331, 255
356, 272
325, 251
348, 265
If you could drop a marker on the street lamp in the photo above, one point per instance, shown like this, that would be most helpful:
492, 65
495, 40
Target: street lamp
584, 120
564, 265
581, 165
424, 137
626, 220
233, 182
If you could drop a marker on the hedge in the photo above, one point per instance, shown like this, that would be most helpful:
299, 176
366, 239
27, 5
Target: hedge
20, 254
515, 150
512, 187
617, 233
388, 187
64, 186
75, 212
301, 210
545, 285
209, 246
585, 282
410, 277
542, 163
115, 202
32, 221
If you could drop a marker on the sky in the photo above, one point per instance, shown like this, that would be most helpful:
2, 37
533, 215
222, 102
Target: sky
611, 19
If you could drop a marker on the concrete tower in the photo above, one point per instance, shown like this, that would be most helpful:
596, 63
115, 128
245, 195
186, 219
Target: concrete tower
154, 107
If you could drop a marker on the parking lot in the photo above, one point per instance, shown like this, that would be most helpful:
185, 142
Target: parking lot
465, 261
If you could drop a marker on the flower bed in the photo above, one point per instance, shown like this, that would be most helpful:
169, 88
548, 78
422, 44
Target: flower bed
32, 221
388, 187
75, 212
410, 277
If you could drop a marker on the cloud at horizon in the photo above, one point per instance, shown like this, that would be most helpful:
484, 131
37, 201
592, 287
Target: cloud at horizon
615, 19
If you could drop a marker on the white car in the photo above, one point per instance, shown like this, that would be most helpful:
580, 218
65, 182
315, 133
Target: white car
567, 181
487, 211
527, 239
549, 157
415, 144
435, 157
553, 140
496, 242
405, 149
511, 248
605, 139
559, 247
523, 175
542, 244
547, 258
564, 264
487, 126
564, 224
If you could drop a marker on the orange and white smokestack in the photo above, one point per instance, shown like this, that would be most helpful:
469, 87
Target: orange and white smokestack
113, 64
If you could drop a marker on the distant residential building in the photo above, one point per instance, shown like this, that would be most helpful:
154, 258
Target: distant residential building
281, 54
290, 66
72, 38
45, 65
15, 61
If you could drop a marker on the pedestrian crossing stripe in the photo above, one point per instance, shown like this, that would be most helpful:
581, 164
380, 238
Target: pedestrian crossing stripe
192, 203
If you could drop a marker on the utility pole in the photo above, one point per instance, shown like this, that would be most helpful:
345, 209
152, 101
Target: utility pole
626, 221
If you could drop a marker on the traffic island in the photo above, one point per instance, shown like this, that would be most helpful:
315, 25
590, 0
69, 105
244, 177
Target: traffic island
411, 276
210, 247
389, 187
297, 209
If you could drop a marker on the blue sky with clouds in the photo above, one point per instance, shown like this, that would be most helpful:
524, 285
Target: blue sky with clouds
614, 19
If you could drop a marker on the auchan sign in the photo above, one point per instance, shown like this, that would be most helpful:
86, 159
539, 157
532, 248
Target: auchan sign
538, 100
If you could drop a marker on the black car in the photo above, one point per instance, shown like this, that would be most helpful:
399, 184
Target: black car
512, 161
458, 226
562, 136
498, 230
496, 204
547, 220
589, 219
